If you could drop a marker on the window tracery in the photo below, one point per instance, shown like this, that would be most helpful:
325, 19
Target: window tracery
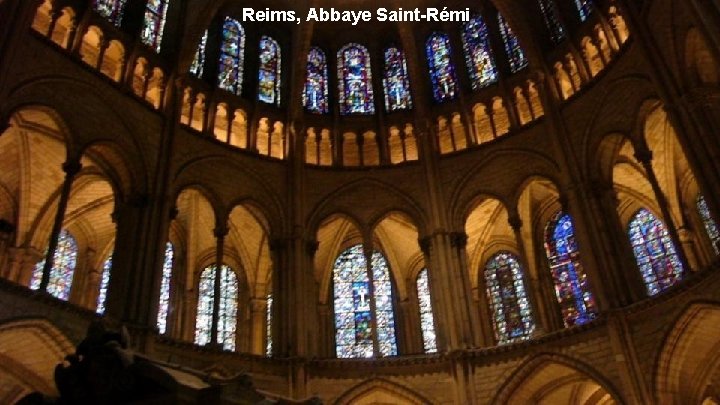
396, 81
364, 314
315, 94
427, 320
478, 53
509, 303
552, 21
227, 315
442, 70
355, 80
61, 274
270, 71
154, 23
112, 10
164, 304
711, 226
232, 57
104, 283
515, 53
198, 65
654, 252
577, 303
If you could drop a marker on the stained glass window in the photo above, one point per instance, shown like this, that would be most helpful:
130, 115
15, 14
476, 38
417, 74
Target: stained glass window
227, 315
442, 70
61, 274
198, 64
396, 81
232, 56
269, 71
315, 94
478, 54
427, 322
710, 224
552, 22
584, 8
515, 54
654, 252
508, 300
110, 9
355, 80
164, 305
154, 24
104, 283
268, 325
577, 303
363, 298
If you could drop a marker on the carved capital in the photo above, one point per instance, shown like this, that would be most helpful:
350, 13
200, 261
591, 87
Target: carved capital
72, 167
515, 222
220, 231
458, 240
425, 245
311, 247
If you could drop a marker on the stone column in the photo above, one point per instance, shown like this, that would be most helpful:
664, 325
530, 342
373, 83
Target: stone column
622, 280
456, 315
644, 156
7, 231
71, 169
544, 310
258, 317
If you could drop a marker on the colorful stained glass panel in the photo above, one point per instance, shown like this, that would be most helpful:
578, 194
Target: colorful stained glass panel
515, 53
355, 80
61, 274
654, 252
164, 304
478, 54
577, 303
396, 81
110, 9
427, 321
104, 283
315, 94
154, 23
269, 71
508, 299
232, 51
442, 70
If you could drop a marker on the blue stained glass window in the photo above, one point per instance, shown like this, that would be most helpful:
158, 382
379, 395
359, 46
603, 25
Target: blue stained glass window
442, 70
269, 71
478, 54
315, 94
61, 274
268, 325
710, 225
427, 321
584, 8
227, 315
552, 21
104, 283
355, 80
654, 252
154, 23
112, 10
164, 305
572, 289
508, 300
515, 54
232, 57
198, 64
396, 81
358, 305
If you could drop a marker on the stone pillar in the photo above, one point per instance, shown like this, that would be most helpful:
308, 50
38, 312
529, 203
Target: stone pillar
258, 311
456, 317
71, 168
21, 264
621, 277
644, 156
544, 308
7, 231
